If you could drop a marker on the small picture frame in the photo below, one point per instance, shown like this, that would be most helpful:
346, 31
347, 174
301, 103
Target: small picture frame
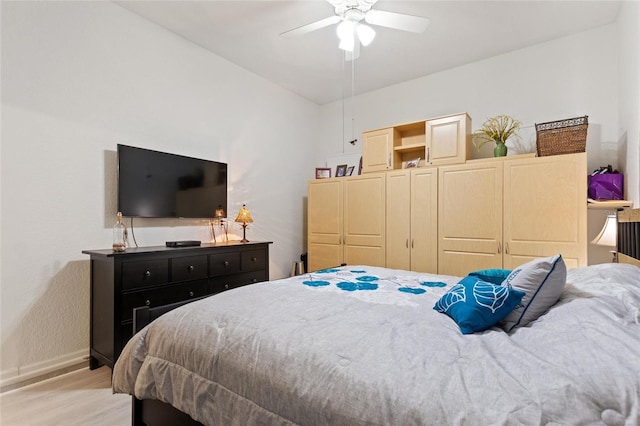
350, 170
341, 170
323, 173
412, 163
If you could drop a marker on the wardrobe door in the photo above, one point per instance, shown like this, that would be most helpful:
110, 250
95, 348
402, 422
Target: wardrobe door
469, 217
325, 222
545, 209
424, 220
364, 219
398, 253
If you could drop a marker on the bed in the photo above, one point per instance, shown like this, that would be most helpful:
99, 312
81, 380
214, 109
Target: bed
359, 345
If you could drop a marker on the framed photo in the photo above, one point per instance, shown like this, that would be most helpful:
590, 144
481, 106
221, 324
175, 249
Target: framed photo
341, 170
323, 173
350, 170
412, 163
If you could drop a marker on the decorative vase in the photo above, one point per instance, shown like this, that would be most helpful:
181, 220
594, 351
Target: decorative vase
500, 150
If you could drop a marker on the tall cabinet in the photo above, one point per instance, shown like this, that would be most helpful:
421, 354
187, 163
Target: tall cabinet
500, 213
412, 219
346, 221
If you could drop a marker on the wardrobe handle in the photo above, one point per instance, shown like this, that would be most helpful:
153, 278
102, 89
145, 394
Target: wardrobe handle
190, 268
506, 248
406, 243
389, 160
412, 243
498, 247
428, 155
147, 274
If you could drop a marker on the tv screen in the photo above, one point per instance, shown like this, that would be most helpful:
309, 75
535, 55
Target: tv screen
163, 185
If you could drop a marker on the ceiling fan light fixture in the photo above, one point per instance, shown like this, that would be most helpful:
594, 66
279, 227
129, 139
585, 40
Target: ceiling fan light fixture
345, 29
346, 34
366, 34
347, 43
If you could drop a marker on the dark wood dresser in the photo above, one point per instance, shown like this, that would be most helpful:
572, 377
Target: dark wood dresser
156, 276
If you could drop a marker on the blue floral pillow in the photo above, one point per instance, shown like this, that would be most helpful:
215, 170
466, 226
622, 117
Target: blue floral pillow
493, 276
476, 305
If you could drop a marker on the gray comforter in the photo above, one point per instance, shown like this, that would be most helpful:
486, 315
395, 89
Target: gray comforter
332, 348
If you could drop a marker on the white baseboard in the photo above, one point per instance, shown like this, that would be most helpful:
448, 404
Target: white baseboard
42, 369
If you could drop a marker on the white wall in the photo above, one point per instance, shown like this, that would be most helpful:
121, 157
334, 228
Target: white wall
628, 43
80, 77
564, 78
568, 77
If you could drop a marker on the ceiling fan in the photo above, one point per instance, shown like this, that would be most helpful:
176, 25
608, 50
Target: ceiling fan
352, 31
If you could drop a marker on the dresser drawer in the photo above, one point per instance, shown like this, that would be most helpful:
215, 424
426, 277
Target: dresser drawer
238, 280
252, 260
224, 263
144, 273
188, 268
162, 296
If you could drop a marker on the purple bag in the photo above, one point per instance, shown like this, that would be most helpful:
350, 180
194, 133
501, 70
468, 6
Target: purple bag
606, 186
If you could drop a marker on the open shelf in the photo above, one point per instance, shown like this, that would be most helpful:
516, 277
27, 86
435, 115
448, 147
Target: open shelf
410, 148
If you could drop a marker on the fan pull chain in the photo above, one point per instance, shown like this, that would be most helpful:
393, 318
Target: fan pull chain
353, 104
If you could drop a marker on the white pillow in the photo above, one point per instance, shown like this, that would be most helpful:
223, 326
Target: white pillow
542, 281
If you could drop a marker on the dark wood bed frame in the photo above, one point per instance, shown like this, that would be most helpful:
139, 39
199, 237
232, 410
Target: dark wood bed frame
150, 412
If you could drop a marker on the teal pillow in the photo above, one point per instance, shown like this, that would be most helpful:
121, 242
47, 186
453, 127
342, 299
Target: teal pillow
476, 305
493, 276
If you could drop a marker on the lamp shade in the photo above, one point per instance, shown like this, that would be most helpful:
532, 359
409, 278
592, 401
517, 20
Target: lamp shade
219, 214
345, 32
608, 235
365, 33
243, 215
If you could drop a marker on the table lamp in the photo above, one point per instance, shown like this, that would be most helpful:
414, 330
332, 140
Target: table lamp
244, 217
608, 236
218, 218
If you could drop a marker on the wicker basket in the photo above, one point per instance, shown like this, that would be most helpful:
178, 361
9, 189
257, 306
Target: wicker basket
562, 136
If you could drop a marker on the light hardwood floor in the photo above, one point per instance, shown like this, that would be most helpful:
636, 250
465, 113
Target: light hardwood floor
82, 397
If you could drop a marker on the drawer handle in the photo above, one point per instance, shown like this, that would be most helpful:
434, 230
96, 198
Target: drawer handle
253, 259
190, 268
147, 302
147, 274
226, 286
226, 263
190, 294
255, 280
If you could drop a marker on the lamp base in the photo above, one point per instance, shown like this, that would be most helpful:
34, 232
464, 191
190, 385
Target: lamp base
244, 233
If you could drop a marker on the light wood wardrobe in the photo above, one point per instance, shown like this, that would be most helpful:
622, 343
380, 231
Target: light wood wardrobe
452, 219
500, 213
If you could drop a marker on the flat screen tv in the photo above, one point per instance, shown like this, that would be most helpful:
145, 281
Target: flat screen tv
154, 184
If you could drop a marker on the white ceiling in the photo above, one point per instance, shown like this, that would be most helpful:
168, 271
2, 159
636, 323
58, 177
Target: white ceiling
247, 33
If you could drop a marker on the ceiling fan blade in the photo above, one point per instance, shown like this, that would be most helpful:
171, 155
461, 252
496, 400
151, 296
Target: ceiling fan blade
398, 21
311, 27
